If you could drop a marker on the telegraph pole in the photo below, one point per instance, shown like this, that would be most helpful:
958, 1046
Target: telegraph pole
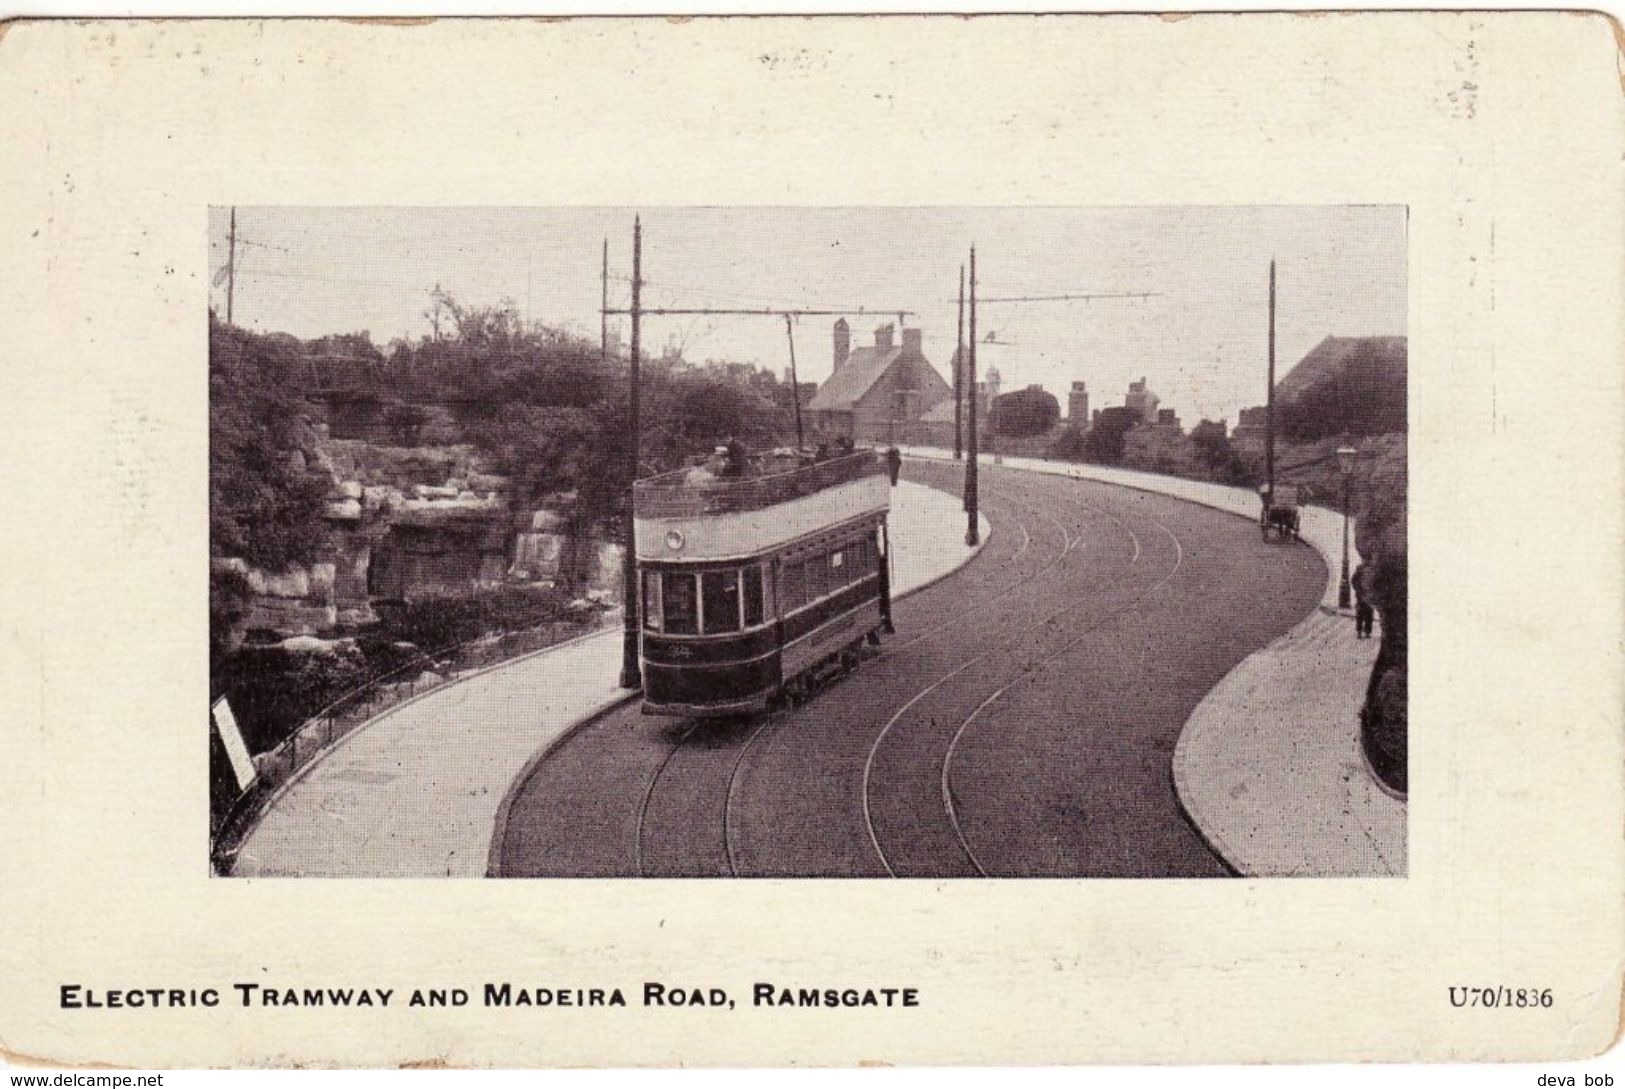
1269, 403
795, 383
959, 367
631, 674
603, 309
231, 263
972, 529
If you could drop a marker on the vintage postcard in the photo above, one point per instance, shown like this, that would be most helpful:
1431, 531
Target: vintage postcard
797, 541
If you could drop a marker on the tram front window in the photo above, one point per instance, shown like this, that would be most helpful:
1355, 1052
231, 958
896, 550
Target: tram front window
679, 601
721, 589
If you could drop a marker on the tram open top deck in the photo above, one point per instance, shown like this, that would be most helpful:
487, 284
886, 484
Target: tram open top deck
693, 515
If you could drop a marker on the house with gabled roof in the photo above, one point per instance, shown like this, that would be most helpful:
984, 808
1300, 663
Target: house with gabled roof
877, 392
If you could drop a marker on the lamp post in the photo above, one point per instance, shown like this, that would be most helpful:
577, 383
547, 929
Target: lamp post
1345, 465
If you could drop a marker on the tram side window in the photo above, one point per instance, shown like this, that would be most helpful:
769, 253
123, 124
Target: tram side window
793, 586
818, 583
721, 590
651, 600
679, 604
754, 610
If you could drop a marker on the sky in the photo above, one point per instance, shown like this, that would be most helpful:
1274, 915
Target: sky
1200, 340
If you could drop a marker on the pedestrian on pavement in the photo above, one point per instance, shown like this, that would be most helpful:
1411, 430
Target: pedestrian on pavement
1364, 613
894, 463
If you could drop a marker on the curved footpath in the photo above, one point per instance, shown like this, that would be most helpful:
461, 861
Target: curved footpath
1268, 766
416, 791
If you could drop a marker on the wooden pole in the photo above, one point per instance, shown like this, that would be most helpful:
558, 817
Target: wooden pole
795, 383
631, 673
959, 370
231, 264
972, 528
1269, 403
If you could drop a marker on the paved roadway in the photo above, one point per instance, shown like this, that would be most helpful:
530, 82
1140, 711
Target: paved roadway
1020, 723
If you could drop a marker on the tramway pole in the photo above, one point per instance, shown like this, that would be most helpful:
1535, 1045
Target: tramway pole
973, 534
231, 263
1269, 404
959, 368
631, 674
795, 383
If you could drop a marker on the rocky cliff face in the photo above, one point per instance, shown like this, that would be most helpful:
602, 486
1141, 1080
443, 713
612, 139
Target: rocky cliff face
403, 523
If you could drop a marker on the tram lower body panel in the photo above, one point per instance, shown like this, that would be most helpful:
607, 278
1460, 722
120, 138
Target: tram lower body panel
746, 673
710, 676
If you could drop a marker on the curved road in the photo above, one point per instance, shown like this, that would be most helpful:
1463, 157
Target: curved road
1020, 723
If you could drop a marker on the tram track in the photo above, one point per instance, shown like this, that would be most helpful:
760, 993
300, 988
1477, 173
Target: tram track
948, 756
794, 792
1035, 500
689, 798
1033, 503
1024, 670
772, 719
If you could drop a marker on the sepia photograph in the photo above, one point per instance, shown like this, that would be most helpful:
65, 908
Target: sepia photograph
808, 542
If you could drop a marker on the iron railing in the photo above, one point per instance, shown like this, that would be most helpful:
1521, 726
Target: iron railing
277, 767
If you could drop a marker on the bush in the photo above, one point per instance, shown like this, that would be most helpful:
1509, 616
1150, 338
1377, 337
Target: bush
435, 623
405, 423
1069, 445
1024, 413
273, 690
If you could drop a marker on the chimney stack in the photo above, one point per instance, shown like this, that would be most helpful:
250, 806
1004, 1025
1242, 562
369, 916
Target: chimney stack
911, 341
883, 337
843, 342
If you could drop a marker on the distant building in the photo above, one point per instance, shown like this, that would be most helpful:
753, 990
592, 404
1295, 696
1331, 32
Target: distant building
877, 392
1141, 401
1077, 404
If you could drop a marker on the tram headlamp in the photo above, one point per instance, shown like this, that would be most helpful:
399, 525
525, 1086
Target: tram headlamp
674, 539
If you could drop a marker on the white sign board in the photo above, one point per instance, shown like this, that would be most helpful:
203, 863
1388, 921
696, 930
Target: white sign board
225, 724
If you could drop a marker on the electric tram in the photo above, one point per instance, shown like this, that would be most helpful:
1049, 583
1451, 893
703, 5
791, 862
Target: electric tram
760, 582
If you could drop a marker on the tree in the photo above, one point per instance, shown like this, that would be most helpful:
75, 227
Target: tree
265, 502
1365, 395
1104, 443
1024, 413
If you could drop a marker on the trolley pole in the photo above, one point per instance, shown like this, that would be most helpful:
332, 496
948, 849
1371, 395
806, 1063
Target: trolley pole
959, 368
1269, 403
972, 529
631, 674
795, 383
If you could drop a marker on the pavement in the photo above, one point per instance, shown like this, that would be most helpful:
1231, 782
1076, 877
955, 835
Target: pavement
1268, 766
417, 791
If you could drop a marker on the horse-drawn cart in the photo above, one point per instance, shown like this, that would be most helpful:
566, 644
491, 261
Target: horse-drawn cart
1280, 513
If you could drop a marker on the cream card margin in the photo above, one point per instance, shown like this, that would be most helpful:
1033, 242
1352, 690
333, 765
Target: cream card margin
1501, 132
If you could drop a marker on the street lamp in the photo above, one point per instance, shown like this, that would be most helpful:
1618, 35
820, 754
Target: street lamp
1345, 465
